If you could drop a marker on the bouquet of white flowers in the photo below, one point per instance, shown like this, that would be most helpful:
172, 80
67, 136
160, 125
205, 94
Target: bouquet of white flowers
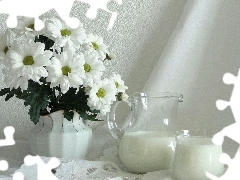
58, 68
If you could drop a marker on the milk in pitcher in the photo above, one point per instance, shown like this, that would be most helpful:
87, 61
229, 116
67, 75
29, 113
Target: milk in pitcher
146, 151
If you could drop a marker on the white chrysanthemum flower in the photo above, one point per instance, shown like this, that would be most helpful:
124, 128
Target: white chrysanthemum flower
105, 109
61, 33
101, 95
5, 44
25, 28
87, 89
28, 61
66, 70
93, 68
119, 83
95, 43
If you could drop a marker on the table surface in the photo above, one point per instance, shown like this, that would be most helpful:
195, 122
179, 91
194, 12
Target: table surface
72, 169
84, 169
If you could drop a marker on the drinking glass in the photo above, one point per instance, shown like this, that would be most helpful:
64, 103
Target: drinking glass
195, 154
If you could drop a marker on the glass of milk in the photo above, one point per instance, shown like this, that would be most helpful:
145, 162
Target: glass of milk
194, 155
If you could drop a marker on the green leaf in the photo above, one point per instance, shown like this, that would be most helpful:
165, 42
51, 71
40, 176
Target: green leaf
9, 96
4, 91
89, 114
72, 100
86, 116
48, 42
34, 113
77, 100
68, 115
68, 98
11, 93
37, 99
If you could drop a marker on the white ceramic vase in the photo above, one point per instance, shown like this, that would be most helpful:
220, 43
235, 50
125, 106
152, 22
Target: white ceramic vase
55, 136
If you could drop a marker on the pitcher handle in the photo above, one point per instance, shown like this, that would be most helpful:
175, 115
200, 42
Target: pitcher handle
116, 132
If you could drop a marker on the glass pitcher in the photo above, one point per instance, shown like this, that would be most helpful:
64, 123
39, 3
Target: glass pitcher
147, 144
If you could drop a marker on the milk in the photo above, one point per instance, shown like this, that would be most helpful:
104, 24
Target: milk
194, 156
146, 151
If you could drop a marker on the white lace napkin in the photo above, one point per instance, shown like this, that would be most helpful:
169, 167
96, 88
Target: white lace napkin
92, 170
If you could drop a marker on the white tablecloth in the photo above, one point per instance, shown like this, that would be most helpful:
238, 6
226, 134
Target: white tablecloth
88, 170
101, 163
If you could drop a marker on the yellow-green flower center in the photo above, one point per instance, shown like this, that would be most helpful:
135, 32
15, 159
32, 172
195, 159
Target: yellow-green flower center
95, 45
101, 93
65, 32
5, 50
117, 85
66, 70
28, 60
87, 67
31, 26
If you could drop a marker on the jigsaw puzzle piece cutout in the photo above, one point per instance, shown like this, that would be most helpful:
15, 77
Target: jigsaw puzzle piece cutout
18, 176
222, 105
103, 4
44, 169
3, 165
227, 79
12, 22
8, 141
235, 98
63, 9
25, 8
232, 172
8, 132
35, 8
231, 131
